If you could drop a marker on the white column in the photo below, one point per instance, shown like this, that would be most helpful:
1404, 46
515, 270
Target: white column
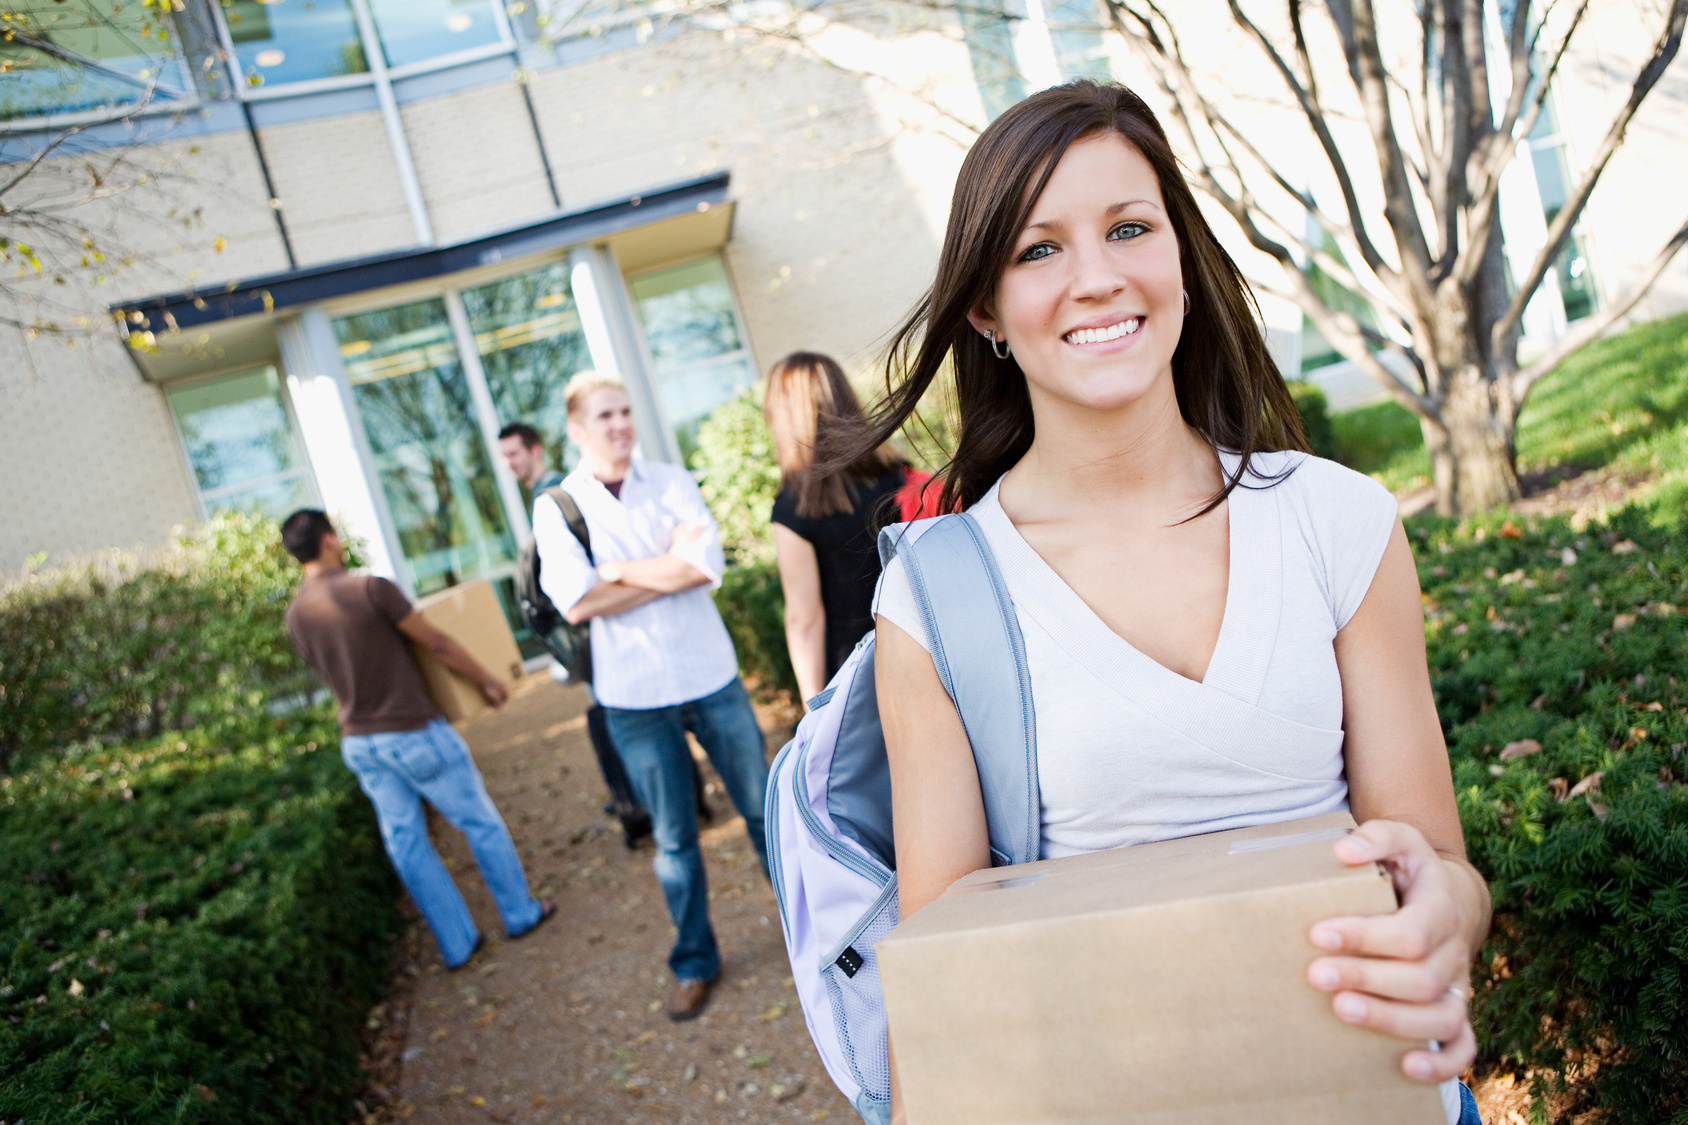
486, 413
612, 337
1034, 50
335, 442
408, 183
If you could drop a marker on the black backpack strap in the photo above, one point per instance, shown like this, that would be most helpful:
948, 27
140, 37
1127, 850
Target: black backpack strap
573, 517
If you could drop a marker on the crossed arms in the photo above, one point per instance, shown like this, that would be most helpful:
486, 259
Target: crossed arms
626, 585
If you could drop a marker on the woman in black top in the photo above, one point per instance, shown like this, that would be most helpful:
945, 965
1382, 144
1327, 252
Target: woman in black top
825, 526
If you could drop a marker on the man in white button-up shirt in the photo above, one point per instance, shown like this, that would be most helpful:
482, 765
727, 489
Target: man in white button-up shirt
662, 662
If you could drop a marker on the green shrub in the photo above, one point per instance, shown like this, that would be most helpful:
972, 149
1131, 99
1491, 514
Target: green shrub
1315, 418
193, 927
753, 606
739, 477
123, 647
1572, 640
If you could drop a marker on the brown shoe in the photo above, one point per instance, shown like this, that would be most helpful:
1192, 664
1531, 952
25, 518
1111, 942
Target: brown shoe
688, 998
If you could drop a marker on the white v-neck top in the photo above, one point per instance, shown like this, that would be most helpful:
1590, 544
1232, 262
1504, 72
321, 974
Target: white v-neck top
1130, 752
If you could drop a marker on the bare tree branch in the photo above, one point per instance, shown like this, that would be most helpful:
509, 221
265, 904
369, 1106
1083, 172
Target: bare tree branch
1559, 231
15, 35
1590, 328
1485, 191
1316, 118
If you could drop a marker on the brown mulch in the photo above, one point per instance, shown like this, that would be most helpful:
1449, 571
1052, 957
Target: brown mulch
564, 1025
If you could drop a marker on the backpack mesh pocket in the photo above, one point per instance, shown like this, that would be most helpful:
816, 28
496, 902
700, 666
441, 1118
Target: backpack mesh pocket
858, 1005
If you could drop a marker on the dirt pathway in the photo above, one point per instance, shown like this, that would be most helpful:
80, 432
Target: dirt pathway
565, 1024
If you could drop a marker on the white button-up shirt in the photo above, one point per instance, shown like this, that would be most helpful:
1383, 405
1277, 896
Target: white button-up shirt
668, 651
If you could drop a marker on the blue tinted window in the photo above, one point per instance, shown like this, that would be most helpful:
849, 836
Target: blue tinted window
294, 40
129, 51
416, 30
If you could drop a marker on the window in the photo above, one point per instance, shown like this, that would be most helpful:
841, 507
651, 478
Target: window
1017, 46
417, 30
698, 356
241, 446
1316, 351
990, 48
91, 56
294, 40
1555, 183
413, 395
527, 330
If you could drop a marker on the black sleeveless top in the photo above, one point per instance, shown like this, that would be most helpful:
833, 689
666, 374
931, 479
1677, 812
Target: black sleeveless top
847, 551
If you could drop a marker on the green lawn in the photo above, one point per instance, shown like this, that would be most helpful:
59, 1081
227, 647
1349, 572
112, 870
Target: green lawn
1622, 401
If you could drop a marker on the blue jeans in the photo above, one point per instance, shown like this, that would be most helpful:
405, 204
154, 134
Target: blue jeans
653, 748
1467, 1107
400, 769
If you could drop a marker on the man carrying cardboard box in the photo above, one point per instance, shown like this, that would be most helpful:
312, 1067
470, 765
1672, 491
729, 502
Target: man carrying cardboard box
351, 628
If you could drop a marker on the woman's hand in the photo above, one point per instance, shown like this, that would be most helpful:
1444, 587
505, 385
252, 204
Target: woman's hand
1406, 973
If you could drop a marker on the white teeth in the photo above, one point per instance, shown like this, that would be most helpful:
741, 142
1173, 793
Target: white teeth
1102, 335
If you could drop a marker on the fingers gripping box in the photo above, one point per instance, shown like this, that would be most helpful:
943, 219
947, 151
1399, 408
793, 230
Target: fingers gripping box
1162, 983
471, 615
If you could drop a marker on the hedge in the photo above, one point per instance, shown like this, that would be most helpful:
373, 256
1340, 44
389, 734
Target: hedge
194, 929
128, 647
198, 911
1555, 656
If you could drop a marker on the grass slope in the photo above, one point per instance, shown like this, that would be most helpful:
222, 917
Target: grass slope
1622, 401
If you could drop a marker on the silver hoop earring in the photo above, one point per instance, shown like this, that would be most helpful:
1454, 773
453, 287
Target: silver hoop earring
1005, 352
1186, 302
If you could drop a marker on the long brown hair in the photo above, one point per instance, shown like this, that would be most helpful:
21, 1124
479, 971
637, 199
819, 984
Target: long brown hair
810, 405
1229, 390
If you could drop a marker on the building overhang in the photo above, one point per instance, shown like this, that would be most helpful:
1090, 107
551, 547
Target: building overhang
177, 335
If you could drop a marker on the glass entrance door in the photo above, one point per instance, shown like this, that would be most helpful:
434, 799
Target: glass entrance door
413, 395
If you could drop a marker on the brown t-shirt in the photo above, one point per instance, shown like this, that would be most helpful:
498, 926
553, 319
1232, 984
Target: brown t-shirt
346, 625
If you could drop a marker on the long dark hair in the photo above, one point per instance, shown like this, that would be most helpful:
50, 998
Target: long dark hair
810, 405
1229, 390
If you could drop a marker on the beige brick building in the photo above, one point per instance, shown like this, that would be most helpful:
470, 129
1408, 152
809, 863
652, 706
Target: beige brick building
473, 200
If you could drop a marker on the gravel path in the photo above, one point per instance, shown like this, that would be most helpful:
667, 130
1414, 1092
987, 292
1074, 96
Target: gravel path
565, 1024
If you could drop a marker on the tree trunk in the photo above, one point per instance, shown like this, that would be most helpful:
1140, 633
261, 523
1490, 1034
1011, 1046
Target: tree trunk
1470, 444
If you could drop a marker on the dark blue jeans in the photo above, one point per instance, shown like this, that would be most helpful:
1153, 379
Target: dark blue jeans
653, 748
1467, 1107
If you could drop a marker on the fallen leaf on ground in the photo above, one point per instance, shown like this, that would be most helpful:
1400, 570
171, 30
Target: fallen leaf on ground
1624, 547
538, 1100
482, 1021
1523, 748
691, 1072
789, 1090
775, 1012
647, 1036
756, 1061
1589, 784
1560, 787
477, 1100
1509, 530
1623, 621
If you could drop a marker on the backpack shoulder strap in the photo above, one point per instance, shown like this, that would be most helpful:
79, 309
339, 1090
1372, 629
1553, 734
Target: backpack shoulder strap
573, 517
981, 660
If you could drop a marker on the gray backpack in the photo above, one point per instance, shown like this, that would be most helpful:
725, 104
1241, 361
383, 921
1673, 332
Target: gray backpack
830, 847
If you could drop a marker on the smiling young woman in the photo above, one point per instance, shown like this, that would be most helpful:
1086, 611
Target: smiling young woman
1220, 630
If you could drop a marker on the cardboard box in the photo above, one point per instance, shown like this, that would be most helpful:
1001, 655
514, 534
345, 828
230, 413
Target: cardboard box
1163, 983
471, 615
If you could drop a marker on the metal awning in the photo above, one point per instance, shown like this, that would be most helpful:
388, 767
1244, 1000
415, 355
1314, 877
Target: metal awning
170, 335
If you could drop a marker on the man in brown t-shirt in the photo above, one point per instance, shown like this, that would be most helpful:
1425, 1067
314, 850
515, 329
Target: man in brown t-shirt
352, 629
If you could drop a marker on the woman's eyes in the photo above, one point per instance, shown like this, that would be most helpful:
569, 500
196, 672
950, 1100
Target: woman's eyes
1125, 232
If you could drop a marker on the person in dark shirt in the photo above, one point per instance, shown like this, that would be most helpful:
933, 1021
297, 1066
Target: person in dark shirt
826, 527
352, 629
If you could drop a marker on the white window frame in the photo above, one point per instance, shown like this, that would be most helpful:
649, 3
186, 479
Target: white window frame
189, 100
739, 322
202, 496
